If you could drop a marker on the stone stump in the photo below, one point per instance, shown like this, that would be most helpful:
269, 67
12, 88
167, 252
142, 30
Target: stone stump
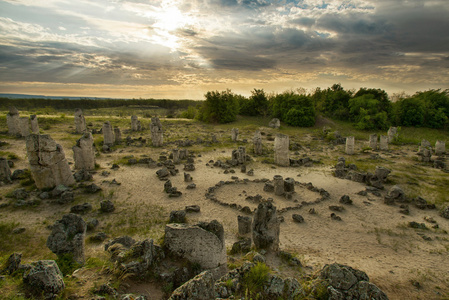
392, 134
157, 135
34, 124
278, 183
48, 164
289, 185
244, 225
108, 134
350, 143
373, 141
266, 227
24, 124
44, 279
383, 145
202, 243
257, 140
5, 171
425, 143
13, 121
135, 124
281, 151
80, 122
67, 237
117, 136
83, 152
176, 159
234, 134
440, 148
274, 123
183, 153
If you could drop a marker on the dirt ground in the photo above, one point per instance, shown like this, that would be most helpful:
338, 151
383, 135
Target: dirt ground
372, 236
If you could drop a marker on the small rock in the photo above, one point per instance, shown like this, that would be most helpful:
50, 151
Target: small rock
298, 218
192, 208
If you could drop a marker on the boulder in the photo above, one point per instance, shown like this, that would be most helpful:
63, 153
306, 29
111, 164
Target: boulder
44, 277
274, 123
201, 287
107, 206
13, 263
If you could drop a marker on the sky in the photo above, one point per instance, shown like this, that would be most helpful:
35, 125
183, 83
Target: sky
180, 49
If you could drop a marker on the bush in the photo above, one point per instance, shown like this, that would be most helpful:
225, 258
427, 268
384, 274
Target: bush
190, 113
254, 280
293, 109
219, 107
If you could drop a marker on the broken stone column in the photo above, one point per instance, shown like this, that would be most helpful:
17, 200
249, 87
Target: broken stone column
281, 151
202, 243
83, 152
383, 145
48, 164
244, 225
176, 159
67, 237
117, 135
34, 124
242, 155
183, 153
234, 134
425, 153
258, 149
80, 122
289, 185
440, 148
350, 143
278, 183
13, 121
392, 134
373, 141
135, 124
24, 124
5, 171
425, 143
157, 135
108, 134
266, 227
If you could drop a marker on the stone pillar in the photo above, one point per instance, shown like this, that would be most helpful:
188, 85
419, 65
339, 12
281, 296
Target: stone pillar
183, 153
258, 149
5, 171
266, 227
34, 124
157, 135
176, 159
392, 134
278, 183
373, 141
117, 135
440, 148
234, 134
48, 164
13, 121
281, 151
108, 134
242, 155
289, 185
425, 143
135, 124
80, 122
350, 143
83, 152
244, 225
383, 145
24, 124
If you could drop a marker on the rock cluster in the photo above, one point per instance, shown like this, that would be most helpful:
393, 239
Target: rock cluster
350, 172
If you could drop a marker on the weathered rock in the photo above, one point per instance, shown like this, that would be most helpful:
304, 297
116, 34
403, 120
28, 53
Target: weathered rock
395, 193
44, 278
82, 175
12, 264
67, 237
289, 185
298, 218
83, 152
274, 123
201, 287
80, 122
176, 159
177, 216
187, 177
350, 143
157, 134
392, 134
92, 188
266, 227
192, 208
278, 184
383, 146
373, 141
244, 225
241, 246
445, 212
196, 244
345, 200
420, 202
281, 150
108, 134
257, 141
92, 224
342, 277
440, 148
34, 124
381, 173
117, 136
5, 171
13, 121
106, 206
234, 134
81, 208
48, 164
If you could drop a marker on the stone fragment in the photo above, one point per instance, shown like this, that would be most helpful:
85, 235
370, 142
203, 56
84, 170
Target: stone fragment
81, 208
24, 124
80, 122
107, 206
201, 287
44, 278
445, 212
157, 134
117, 136
135, 124
5, 171
244, 225
48, 164
108, 134
176, 159
345, 200
298, 218
289, 185
177, 216
12, 264
257, 141
192, 208
13, 121
234, 134
350, 144
266, 227
373, 141
381, 173
67, 237
34, 124
83, 152
274, 123
281, 151
205, 247
383, 145
241, 246
392, 134
440, 148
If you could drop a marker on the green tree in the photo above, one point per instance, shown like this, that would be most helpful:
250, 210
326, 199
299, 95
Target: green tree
220, 107
293, 109
256, 105
367, 112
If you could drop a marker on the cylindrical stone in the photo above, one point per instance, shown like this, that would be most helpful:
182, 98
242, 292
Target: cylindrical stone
278, 183
244, 224
281, 151
373, 141
350, 143
383, 143
289, 185
440, 148
108, 134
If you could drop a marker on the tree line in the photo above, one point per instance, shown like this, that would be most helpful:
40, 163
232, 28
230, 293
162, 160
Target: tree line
367, 108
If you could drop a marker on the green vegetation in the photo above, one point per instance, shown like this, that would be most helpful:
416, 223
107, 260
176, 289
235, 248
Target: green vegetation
255, 279
219, 107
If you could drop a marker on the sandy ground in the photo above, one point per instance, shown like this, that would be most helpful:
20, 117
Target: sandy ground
372, 236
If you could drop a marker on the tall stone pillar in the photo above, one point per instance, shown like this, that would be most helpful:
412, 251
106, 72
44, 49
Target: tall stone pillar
373, 141
234, 134
135, 124
440, 148
80, 122
383, 145
350, 144
34, 124
157, 134
13, 121
117, 135
266, 227
24, 124
258, 149
392, 134
278, 183
108, 134
281, 151
83, 152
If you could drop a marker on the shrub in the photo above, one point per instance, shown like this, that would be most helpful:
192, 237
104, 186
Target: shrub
254, 280
219, 107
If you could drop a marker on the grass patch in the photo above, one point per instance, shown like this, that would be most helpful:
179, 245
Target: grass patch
254, 280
